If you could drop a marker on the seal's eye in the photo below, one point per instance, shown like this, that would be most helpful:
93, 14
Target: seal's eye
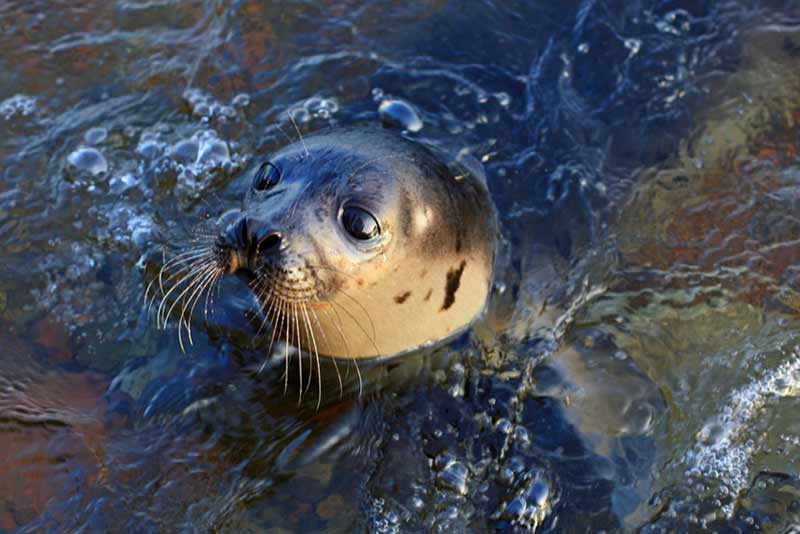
266, 177
360, 223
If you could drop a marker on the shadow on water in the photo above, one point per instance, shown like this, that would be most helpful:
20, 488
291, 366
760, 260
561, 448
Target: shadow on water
637, 369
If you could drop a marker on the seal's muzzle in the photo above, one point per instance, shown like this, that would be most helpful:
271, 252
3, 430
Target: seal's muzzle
245, 241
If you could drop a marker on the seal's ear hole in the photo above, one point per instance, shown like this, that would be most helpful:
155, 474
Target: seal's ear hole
266, 177
360, 223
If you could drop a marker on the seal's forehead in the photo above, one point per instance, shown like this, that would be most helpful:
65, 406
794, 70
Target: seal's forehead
350, 164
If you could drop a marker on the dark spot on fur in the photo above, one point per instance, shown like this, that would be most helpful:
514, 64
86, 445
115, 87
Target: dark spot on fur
360, 281
458, 243
402, 297
451, 285
428, 295
423, 273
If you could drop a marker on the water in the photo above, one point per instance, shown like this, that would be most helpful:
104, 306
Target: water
643, 159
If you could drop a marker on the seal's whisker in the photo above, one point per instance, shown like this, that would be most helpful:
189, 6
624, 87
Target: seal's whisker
258, 288
159, 278
287, 136
316, 355
200, 269
299, 198
195, 298
185, 273
199, 283
174, 262
286, 357
325, 339
183, 277
191, 276
210, 293
300, 135
337, 324
275, 328
308, 349
316, 267
268, 301
299, 353
196, 285
371, 339
180, 258
360, 381
369, 318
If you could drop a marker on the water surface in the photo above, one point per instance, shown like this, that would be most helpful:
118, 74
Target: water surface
643, 157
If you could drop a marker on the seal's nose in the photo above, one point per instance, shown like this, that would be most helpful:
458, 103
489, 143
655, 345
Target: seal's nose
252, 236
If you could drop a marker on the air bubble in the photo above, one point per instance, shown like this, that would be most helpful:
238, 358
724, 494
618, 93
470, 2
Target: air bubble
17, 105
452, 475
323, 108
120, 184
89, 160
515, 509
300, 114
150, 146
212, 151
95, 136
504, 426
400, 114
185, 150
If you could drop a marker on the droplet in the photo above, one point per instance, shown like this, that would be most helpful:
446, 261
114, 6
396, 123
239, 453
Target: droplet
583, 48
400, 114
89, 160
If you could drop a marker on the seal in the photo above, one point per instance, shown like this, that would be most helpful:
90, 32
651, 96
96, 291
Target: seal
359, 243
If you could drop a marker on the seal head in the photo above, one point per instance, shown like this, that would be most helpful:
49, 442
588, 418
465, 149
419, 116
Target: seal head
360, 243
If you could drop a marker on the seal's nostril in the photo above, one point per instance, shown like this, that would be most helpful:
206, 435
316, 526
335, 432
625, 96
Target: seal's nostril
243, 234
269, 242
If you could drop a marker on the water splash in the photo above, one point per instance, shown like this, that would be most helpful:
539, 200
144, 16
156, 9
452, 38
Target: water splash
726, 444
